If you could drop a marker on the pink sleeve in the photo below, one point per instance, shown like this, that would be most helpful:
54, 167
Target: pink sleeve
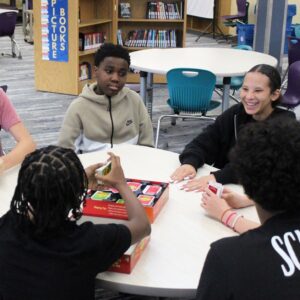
8, 115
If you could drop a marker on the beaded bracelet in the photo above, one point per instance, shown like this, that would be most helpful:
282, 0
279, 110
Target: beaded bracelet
235, 220
223, 214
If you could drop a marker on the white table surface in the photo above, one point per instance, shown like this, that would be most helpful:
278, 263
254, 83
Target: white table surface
172, 262
223, 62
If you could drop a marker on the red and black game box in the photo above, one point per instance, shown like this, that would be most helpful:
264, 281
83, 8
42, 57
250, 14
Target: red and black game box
109, 203
128, 260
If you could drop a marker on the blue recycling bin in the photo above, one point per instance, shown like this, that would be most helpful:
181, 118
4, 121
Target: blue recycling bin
292, 11
245, 33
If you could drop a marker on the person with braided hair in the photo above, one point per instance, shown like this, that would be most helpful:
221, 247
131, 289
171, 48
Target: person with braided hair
44, 253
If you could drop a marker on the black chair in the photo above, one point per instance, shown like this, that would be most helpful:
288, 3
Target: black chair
3, 87
8, 19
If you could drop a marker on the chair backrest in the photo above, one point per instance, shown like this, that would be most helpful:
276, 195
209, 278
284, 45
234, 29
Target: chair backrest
243, 47
190, 90
241, 7
293, 49
297, 31
8, 23
291, 98
30, 4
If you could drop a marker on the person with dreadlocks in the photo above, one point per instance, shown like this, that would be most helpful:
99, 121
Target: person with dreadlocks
44, 253
107, 112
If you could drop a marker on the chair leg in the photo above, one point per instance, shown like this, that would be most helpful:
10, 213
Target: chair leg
14, 45
175, 117
158, 129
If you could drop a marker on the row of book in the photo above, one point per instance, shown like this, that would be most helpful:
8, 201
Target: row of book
151, 38
163, 10
91, 40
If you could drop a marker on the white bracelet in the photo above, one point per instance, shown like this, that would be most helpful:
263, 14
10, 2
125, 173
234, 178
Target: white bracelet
235, 220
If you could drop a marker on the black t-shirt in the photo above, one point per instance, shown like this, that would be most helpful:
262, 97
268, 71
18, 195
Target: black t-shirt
59, 268
261, 264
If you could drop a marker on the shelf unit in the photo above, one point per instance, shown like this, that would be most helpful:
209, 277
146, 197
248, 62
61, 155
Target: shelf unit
88, 16
138, 20
84, 16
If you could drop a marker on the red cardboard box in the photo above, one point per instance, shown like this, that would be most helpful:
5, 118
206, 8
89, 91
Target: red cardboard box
99, 205
129, 259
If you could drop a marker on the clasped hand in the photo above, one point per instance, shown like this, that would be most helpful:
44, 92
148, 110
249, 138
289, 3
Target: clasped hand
113, 179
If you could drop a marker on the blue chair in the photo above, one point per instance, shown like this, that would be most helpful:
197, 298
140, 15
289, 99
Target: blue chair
190, 92
236, 81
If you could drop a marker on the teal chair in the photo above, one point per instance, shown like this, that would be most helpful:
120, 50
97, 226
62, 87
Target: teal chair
236, 81
190, 92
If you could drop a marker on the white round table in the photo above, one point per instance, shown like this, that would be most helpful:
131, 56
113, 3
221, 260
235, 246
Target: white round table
181, 234
223, 62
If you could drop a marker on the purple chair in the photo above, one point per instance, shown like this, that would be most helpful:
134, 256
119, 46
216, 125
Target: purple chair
293, 55
291, 98
241, 16
8, 19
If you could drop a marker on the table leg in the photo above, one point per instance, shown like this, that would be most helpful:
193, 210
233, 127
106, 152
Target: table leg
226, 90
143, 86
150, 94
146, 90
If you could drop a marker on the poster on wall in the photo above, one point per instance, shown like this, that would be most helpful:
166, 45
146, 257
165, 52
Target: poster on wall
201, 8
54, 21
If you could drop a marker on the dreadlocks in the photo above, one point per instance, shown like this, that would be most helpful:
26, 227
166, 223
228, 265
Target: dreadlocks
51, 183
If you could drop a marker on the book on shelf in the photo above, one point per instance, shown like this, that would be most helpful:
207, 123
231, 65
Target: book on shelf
91, 40
119, 37
152, 38
84, 71
125, 10
164, 10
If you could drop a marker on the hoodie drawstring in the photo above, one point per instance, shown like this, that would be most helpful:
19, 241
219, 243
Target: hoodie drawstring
112, 122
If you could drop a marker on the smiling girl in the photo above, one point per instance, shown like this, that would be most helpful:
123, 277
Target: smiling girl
260, 95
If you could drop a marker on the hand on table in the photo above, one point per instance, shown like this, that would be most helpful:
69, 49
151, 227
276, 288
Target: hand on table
183, 172
198, 184
236, 200
213, 205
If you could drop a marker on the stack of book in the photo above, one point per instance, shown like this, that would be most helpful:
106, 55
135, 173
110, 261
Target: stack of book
163, 10
151, 38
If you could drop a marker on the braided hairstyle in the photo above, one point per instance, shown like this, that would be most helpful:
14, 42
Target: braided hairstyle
51, 183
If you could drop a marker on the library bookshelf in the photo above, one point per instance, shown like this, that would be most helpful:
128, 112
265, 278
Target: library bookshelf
157, 27
91, 20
